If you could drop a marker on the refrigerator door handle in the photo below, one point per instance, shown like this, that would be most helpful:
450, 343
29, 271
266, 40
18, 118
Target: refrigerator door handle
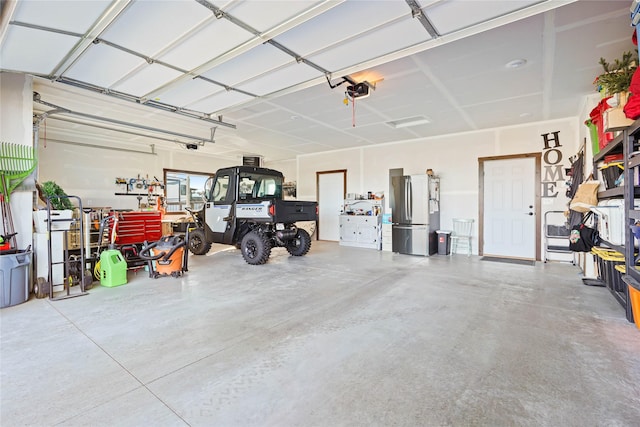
404, 199
410, 227
410, 200
407, 196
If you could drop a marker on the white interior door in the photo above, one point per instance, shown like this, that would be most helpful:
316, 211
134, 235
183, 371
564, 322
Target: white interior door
330, 203
509, 208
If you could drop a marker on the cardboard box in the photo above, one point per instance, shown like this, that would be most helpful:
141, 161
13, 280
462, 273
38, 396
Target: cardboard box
167, 228
614, 118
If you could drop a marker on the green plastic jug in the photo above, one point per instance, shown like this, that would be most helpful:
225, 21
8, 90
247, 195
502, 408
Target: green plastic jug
113, 268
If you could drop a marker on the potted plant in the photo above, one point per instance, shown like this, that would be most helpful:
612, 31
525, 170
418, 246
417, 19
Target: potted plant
56, 195
617, 75
614, 83
61, 207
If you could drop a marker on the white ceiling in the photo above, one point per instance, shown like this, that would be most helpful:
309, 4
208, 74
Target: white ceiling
262, 66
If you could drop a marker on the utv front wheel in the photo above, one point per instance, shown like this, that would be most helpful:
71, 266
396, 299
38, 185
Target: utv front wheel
255, 248
300, 244
198, 244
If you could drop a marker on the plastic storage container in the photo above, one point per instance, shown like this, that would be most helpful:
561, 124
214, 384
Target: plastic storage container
610, 173
15, 274
634, 301
611, 219
611, 268
60, 220
626, 295
607, 261
593, 134
444, 242
113, 268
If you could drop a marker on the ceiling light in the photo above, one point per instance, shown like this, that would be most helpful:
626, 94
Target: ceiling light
409, 121
516, 63
371, 76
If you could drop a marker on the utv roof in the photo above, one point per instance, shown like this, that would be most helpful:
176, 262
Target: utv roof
255, 169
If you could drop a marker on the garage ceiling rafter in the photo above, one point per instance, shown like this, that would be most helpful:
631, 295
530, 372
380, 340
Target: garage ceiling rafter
258, 38
107, 17
149, 60
416, 12
220, 14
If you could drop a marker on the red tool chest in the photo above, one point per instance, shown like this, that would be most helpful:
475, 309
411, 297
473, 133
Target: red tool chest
136, 227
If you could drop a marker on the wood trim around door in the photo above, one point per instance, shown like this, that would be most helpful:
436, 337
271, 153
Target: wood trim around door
537, 202
344, 191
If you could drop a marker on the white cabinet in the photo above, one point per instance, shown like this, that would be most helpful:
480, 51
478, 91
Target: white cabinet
361, 223
363, 231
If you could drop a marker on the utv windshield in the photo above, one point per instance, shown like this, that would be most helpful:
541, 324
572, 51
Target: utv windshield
255, 186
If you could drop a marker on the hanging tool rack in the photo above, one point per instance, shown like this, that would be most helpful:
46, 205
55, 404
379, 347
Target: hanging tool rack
141, 187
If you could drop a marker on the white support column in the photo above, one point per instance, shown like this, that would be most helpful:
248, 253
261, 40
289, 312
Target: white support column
16, 115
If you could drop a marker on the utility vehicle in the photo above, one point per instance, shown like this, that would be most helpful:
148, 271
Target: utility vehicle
244, 207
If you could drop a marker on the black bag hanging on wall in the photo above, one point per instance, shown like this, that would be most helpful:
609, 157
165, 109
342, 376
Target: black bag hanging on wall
577, 171
582, 237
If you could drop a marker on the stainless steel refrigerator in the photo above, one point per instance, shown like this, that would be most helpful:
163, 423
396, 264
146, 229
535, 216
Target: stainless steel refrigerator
415, 213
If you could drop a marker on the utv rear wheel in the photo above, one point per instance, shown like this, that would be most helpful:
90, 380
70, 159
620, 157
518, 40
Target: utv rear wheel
300, 244
255, 248
198, 244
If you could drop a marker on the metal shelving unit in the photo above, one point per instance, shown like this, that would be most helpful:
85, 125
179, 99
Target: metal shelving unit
626, 143
630, 140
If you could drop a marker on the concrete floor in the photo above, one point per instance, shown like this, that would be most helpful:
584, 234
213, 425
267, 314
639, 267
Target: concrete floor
343, 336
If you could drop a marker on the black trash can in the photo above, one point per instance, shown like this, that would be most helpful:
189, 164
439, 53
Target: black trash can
444, 242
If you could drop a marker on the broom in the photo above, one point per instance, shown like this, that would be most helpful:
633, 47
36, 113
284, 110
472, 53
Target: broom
17, 162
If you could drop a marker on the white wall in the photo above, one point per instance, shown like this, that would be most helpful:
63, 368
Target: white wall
90, 173
453, 157
289, 169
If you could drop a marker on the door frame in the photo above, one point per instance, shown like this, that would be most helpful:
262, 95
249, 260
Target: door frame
344, 191
537, 196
